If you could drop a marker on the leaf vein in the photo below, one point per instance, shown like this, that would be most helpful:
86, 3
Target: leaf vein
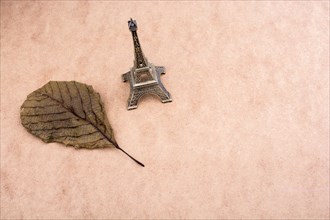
51, 88
80, 98
38, 100
66, 85
54, 128
59, 89
51, 113
77, 136
90, 101
40, 106
47, 121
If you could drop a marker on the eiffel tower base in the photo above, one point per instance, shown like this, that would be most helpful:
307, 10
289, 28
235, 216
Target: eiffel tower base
155, 88
139, 92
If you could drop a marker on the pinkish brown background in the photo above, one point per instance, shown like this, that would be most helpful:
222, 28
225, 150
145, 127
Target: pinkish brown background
246, 136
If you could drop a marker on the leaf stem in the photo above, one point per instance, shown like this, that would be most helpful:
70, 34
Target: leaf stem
138, 162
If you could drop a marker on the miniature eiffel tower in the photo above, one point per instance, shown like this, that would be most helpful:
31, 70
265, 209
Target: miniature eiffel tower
144, 77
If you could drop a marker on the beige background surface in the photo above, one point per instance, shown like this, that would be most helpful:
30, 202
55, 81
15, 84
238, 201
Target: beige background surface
247, 133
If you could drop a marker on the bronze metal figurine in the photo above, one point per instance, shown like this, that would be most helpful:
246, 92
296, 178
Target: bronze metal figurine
144, 77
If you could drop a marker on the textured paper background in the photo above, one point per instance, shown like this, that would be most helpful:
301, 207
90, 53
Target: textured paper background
246, 136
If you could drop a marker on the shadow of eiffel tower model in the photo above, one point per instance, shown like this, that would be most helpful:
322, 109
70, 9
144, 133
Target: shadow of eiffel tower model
144, 77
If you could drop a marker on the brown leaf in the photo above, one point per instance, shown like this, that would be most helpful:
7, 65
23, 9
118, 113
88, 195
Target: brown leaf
71, 113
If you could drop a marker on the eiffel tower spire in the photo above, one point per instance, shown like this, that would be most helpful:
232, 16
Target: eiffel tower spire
140, 60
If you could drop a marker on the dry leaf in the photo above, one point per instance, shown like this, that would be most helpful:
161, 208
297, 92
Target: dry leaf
71, 113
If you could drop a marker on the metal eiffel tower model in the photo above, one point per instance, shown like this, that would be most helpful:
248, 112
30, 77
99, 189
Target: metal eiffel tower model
144, 77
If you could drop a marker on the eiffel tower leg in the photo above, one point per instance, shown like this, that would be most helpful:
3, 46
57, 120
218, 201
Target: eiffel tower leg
162, 93
133, 100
